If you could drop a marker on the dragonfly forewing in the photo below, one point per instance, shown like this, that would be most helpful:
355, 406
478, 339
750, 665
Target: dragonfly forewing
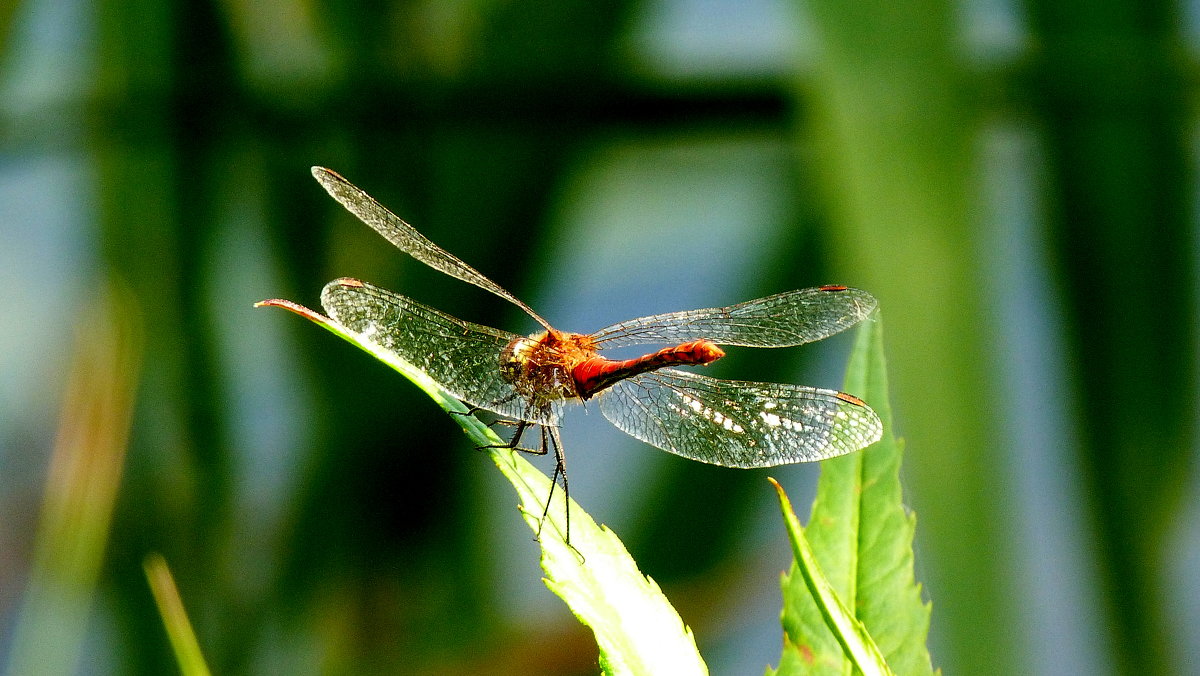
464, 358
782, 320
736, 423
407, 238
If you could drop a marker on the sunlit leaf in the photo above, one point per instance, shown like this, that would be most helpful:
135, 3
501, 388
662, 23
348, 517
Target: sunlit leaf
637, 630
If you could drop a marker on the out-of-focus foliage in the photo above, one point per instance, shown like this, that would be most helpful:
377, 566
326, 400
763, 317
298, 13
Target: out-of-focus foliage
1013, 182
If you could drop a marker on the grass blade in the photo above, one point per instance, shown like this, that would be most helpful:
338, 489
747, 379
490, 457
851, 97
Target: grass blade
175, 620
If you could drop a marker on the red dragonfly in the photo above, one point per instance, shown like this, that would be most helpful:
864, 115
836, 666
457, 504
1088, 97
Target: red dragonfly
528, 379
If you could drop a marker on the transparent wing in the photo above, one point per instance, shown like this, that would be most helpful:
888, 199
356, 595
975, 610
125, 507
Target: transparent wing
406, 238
739, 424
781, 320
464, 358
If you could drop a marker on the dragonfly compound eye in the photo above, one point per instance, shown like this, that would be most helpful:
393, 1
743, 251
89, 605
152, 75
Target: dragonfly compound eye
515, 357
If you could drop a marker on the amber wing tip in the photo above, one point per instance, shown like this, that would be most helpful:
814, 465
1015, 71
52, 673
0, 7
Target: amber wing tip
294, 307
850, 398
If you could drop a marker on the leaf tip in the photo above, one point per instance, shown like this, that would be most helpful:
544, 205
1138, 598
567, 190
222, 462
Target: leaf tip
784, 502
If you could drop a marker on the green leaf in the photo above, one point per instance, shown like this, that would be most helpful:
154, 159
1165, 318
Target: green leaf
637, 630
861, 537
856, 643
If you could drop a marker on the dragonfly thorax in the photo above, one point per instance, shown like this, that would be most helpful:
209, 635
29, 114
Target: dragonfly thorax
540, 367
554, 365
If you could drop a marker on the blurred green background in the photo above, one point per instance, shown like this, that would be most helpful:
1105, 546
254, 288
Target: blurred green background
1014, 181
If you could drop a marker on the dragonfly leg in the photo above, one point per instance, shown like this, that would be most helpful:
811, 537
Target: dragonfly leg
476, 409
504, 422
471, 410
560, 470
515, 442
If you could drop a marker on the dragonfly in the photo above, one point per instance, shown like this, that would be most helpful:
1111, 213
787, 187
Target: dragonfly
528, 380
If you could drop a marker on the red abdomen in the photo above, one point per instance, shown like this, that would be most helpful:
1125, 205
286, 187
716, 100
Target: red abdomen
596, 373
